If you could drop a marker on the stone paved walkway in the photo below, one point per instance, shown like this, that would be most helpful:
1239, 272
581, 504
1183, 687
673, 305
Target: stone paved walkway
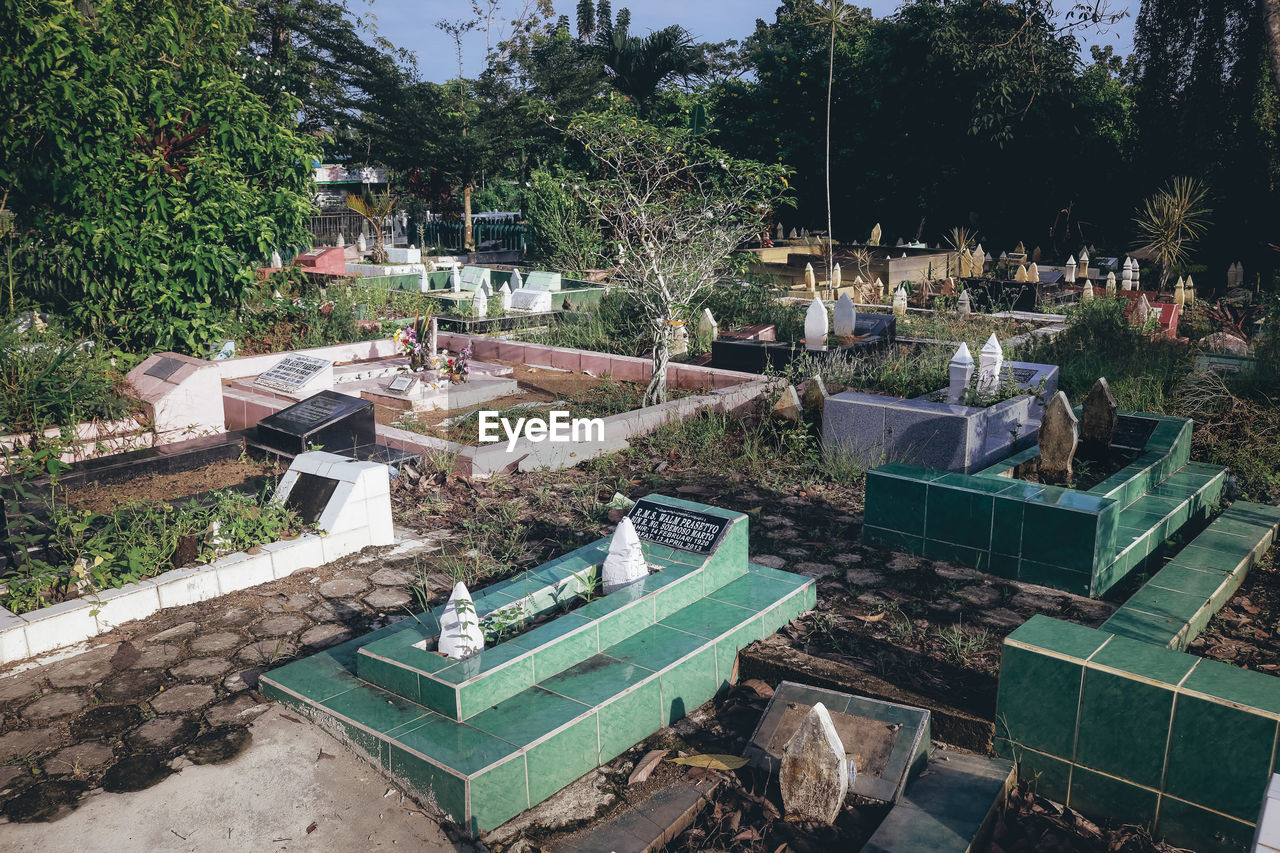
179, 687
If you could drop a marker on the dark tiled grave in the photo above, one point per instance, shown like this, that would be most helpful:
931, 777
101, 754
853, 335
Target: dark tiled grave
1085, 542
1118, 722
336, 423
484, 738
757, 356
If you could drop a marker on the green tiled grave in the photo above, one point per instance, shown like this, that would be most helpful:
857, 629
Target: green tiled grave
485, 738
1084, 542
1119, 722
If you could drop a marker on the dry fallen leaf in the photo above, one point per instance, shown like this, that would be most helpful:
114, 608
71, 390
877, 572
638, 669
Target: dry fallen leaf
712, 762
312, 828
873, 618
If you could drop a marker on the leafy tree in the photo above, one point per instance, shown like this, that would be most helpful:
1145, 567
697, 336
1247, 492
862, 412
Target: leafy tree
147, 175
675, 208
563, 232
637, 67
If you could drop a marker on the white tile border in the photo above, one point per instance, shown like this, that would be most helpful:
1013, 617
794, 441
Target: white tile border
71, 622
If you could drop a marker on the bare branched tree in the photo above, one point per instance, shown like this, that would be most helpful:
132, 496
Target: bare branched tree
675, 208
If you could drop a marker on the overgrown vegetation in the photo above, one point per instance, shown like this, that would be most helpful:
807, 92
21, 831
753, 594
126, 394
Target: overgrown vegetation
84, 552
1237, 417
50, 379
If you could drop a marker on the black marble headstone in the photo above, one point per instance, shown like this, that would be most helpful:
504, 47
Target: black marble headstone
1133, 431
676, 527
164, 368
310, 495
332, 421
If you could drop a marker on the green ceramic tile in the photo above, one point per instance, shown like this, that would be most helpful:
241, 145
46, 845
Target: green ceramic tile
430, 782
1068, 580
1197, 557
727, 649
681, 587
1144, 627
910, 828
597, 679
559, 644
628, 718
393, 678
1144, 660
1064, 638
1004, 565
1045, 774
1166, 603
786, 578
562, 757
1245, 686
1038, 697
1061, 537
621, 622
895, 502
892, 540
976, 558
788, 609
498, 794
709, 618
1219, 756
375, 709
460, 747
1193, 828
528, 716
1006, 524
1201, 584
688, 684
316, 678
753, 591
1124, 726
490, 688
1106, 798
1226, 544
655, 648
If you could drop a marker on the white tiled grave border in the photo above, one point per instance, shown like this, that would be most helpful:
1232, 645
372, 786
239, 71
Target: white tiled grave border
357, 515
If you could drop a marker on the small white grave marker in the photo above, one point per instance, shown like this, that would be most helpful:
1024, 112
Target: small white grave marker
846, 317
960, 372
815, 326
990, 364
504, 297
707, 325
460, 634
814, 776
625, 562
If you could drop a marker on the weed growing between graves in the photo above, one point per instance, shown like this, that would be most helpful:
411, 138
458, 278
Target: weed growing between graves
48, 379
1237, 417
84, 552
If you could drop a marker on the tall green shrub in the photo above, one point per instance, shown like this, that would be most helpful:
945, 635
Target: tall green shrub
145, 176
564, 234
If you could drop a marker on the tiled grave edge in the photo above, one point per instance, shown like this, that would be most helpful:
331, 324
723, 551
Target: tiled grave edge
506, 756
353, 520
1116, 722
407, 744
397, 662
1033, 532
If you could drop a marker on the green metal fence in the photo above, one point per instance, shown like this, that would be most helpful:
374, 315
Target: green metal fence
450, 236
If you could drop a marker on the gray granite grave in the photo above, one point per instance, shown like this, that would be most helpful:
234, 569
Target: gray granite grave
875, 428
888, 743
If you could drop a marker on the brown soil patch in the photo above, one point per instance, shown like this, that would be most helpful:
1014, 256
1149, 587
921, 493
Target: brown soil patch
167, 488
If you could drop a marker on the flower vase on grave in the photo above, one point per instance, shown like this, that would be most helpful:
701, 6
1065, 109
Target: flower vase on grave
415, 360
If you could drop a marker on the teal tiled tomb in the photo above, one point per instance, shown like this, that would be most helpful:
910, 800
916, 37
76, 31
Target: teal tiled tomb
1084, 542
482, 739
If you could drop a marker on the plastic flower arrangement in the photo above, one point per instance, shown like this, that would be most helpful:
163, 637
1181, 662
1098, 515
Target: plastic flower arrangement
458, 368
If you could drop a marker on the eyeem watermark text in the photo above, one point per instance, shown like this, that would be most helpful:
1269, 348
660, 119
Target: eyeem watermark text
558, 427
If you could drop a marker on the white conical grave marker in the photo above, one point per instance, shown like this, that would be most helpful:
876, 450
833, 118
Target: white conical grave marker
460, 634
625, 562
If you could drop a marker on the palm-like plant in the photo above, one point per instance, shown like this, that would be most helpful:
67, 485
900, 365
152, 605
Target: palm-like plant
835, 15
638, 66
1171, 221
375, 211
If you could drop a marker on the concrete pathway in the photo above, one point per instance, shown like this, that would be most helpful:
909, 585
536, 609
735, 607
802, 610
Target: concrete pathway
290, 778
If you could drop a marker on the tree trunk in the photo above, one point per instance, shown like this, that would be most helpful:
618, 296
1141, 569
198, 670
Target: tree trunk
466, 219
657, 390
1271, 13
